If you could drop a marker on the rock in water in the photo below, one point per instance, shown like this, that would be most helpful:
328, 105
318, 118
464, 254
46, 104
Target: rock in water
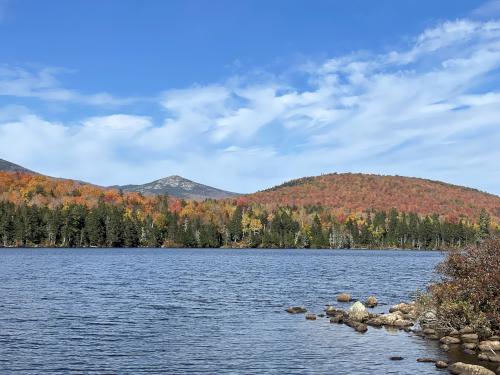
489, 356
396, 358
466, 330
426, 360
371, 301
331, 311
296, 310
470, 337
460, 368
344, 297
358, 326
489, 345
358, 312
441, 364
450, 340
310, 316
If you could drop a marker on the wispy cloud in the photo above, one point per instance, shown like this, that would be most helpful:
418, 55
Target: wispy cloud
43, 84
488, 10
429, 110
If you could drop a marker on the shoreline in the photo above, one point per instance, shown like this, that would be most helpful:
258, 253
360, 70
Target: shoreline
231, 248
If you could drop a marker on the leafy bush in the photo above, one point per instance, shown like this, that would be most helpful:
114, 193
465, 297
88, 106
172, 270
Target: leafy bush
469, 292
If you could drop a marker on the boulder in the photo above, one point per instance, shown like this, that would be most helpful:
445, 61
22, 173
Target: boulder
441, 364
339, 318
296, 310
449, 340
358, 326
466, 330
310, 316
454, 332
489, 356
331, 311
389, 319
460, 368
405, 308
489, 345
344, 297
469, 337
429, 331
371, 301
445, 347
358, 312
469, 351
469, 345
401, 323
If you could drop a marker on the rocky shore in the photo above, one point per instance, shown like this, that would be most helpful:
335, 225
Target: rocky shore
407, 317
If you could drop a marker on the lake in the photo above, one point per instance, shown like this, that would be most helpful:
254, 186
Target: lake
151, 311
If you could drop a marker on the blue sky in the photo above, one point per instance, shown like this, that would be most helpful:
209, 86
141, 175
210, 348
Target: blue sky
244, 95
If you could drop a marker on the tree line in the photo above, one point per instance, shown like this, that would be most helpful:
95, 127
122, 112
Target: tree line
250, 225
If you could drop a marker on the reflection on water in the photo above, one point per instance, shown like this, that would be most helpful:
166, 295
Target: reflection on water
202, 311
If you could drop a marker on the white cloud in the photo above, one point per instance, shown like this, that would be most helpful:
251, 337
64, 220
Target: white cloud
430, 110
43, 84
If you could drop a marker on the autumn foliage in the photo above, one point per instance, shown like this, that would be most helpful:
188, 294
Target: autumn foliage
469, 293
354, 193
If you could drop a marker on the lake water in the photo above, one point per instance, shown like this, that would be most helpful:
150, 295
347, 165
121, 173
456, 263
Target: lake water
154, 311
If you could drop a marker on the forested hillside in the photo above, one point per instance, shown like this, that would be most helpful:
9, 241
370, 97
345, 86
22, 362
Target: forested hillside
40, 211
346, 193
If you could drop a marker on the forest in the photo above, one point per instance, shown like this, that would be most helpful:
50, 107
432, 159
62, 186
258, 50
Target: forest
39, 211
225, 224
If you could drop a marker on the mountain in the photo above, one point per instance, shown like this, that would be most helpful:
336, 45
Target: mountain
7, 166
354, 193
178, 187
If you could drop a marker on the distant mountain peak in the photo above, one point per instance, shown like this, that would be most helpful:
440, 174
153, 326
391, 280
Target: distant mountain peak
179, 187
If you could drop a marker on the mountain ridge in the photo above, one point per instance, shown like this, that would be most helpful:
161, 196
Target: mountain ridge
179, 187
341, 193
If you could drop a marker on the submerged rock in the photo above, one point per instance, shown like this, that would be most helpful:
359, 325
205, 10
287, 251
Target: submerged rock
426, 360
460, 368
396, 358
344, 297
296, 310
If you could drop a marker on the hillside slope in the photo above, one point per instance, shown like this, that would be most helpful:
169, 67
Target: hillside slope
354, 193
178, 187
7, 166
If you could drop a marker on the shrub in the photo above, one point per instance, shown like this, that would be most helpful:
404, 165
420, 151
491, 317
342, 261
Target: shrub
469, 292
